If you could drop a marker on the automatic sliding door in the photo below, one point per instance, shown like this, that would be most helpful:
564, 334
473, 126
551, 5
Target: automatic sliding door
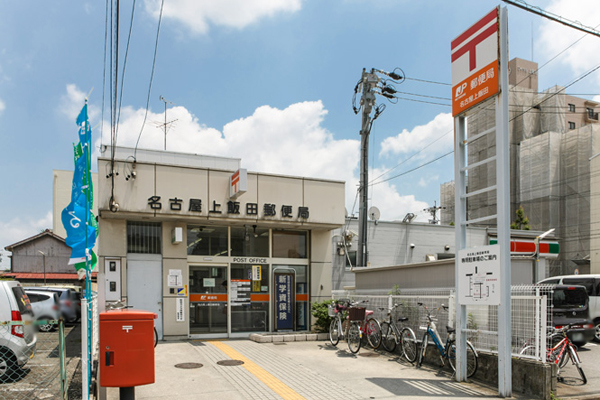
208, 299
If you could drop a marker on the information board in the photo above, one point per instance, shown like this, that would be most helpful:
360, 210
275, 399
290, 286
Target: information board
479, 275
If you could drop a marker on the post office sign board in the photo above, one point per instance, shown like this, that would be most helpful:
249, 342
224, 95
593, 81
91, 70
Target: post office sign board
475, 63
479, 275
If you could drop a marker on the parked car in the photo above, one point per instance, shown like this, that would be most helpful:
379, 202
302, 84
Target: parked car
592, 286
46, 306
571, 307
68, 308
17, 342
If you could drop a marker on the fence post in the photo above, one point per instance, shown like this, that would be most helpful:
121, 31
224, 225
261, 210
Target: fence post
544, 327
538, 324
62, 362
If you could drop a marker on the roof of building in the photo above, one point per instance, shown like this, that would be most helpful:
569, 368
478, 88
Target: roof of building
41, 275
47, 232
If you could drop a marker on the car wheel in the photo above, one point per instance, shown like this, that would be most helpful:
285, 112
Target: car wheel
597, 331
45, 327
8, 364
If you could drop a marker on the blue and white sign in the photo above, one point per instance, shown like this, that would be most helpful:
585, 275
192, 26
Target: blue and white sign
284, 301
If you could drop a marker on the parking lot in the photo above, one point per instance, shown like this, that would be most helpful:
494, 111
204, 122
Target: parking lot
40, 378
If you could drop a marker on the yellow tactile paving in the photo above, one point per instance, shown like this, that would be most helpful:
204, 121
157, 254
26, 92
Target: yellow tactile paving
272, 382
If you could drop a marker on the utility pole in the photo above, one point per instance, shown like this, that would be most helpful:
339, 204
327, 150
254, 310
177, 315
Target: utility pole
433, 211
369, 81
166, 124
372, 84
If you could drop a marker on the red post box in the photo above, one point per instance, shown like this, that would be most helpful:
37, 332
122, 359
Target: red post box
126, 348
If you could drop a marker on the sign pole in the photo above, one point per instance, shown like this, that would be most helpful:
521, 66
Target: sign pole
503, 212
460, 217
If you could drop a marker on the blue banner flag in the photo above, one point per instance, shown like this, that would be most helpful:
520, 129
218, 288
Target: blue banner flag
77, 217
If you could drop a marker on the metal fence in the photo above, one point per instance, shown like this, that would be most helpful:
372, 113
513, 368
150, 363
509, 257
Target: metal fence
33, 360
530, 316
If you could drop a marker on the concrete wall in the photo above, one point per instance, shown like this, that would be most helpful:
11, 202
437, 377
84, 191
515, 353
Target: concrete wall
433, 274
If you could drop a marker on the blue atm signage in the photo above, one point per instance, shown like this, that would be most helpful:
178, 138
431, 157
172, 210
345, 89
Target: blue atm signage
284, 301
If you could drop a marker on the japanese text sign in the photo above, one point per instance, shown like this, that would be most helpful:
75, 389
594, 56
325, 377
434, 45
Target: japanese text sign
284, 301
475, 63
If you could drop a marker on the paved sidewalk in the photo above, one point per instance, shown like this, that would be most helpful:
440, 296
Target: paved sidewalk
294, 370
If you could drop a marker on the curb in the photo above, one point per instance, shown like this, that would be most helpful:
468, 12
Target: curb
287, 337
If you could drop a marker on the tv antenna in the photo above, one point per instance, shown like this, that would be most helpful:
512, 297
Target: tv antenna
166, 124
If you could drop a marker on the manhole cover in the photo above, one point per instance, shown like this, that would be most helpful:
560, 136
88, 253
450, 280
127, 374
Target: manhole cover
230, 363
189, 365
369, 354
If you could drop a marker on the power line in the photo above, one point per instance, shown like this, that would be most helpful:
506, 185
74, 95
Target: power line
151, 77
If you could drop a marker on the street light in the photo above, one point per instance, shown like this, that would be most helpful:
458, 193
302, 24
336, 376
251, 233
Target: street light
44, 256
537, 253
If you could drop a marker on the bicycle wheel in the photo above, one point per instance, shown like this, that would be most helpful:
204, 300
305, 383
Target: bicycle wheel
471, 358
575, 359
388, 337
334, 334
409, 344
354, 336
373, 333
422, 350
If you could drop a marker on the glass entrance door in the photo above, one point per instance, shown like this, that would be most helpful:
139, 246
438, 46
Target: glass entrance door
208, 299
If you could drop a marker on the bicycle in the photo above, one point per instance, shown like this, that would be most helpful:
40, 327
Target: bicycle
557, 354
353, 326
391, 336
448, 351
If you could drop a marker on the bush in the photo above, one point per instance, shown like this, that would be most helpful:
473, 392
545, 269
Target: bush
320, 312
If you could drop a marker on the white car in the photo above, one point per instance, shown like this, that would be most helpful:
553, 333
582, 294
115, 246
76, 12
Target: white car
17, 342
46, 307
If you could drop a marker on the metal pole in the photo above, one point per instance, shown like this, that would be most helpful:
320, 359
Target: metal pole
460, 217
503, 216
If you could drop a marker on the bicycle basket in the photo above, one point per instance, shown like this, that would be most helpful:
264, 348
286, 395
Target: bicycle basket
357, 313
331, 310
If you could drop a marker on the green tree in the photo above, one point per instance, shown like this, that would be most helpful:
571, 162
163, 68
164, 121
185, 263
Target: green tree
522, 222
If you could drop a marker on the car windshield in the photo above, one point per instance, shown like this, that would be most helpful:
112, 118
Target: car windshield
22, 300
570, 298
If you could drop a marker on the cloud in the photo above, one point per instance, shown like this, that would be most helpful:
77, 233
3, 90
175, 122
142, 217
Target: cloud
555, 37
17, 229
73, 101
435, 137
290, 141
197, 16
2, 106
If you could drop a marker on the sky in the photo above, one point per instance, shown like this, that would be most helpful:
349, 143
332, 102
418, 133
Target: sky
267, 81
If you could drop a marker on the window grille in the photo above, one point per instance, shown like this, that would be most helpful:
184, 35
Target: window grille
144, 237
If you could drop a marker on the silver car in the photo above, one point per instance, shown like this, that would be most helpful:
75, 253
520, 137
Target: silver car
17, 341
45, 307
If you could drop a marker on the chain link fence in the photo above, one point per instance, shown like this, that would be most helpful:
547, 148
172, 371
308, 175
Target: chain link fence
33, 362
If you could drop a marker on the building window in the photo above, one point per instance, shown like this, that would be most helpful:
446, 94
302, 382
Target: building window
571, 107
249, 241
207, 240
144, 237
290, 244
571, 125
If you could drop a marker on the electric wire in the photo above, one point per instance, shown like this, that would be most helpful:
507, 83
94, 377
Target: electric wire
151, 78
125, 64
104, 75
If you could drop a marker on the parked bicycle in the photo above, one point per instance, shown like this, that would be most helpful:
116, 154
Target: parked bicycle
447, 351
561, 351
392, 335
350, 322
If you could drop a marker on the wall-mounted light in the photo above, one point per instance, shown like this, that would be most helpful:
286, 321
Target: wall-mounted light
447, 247
412, 245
